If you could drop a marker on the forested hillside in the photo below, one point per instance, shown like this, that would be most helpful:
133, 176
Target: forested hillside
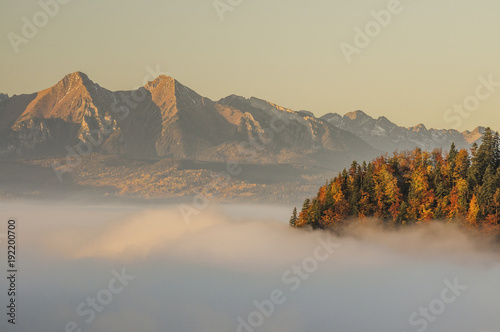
416, 186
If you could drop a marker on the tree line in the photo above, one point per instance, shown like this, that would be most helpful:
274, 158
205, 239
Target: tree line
413, 186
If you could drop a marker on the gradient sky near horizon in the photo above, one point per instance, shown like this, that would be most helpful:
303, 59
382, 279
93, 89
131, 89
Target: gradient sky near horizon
286, 51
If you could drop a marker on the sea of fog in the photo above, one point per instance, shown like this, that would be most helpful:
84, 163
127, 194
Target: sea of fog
239, 268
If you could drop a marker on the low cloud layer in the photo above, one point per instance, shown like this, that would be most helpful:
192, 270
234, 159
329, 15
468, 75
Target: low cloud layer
243, 269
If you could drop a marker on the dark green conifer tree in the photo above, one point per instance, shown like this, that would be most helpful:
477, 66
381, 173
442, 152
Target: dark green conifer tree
293, 218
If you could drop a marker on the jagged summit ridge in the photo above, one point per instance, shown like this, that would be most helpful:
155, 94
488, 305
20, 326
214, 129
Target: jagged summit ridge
385, 135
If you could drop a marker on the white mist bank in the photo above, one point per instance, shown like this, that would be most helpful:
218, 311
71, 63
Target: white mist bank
242, 269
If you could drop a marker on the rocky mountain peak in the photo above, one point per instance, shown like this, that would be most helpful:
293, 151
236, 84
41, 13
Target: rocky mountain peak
357, 115
420, 127
162, 90
161, 82
475, 135
3, 96
232, 98
75, 79
479, 130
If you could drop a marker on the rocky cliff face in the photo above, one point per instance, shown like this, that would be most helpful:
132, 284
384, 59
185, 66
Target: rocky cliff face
387, 136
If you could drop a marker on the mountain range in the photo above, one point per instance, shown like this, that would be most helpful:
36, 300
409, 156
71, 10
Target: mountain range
387, 136
164, 140
167, 119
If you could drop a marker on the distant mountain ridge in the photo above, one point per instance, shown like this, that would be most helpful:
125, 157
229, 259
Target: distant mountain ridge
385, 135
167, 119
164, 118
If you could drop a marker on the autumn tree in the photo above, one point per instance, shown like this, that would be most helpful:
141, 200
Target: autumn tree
473, 214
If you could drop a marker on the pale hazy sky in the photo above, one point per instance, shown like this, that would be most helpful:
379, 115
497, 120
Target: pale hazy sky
428, 58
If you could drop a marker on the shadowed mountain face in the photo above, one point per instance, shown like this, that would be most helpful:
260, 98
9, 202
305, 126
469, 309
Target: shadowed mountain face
167, 119
387, 136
